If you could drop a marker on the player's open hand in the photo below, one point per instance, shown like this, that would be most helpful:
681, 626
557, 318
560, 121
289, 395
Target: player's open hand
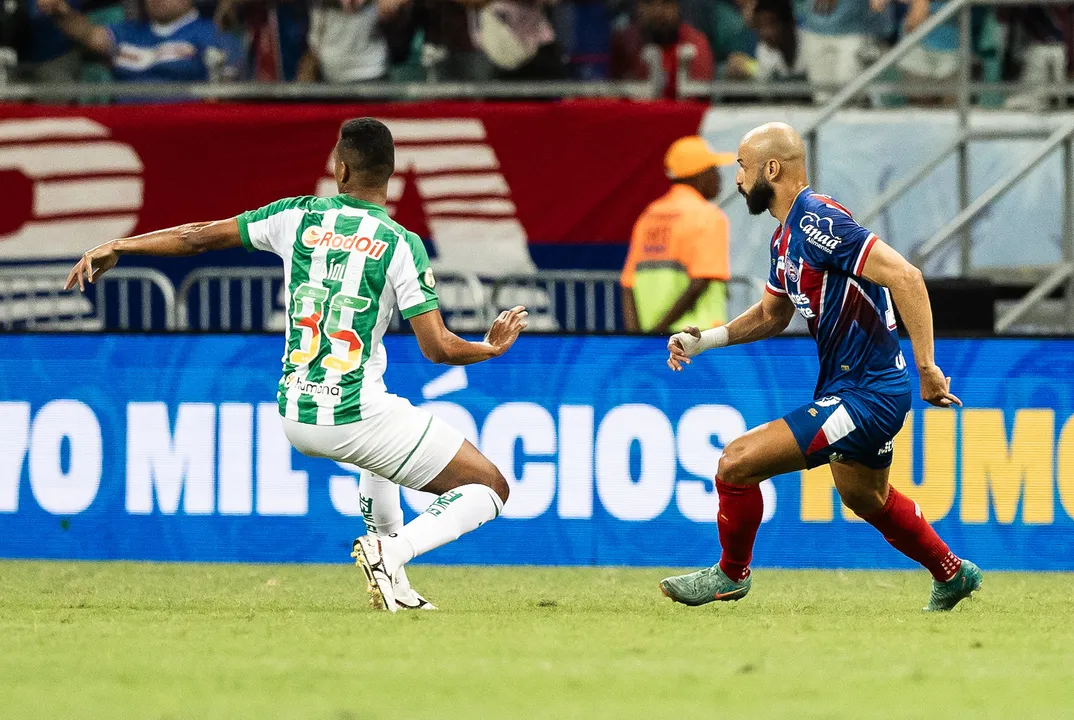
936, 389
682, 346
93, 264
505, 329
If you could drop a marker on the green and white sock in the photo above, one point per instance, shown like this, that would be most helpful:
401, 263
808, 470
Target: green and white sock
382, 510
450, 516
381, 507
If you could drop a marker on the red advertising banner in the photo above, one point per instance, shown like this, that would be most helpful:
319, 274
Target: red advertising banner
482, 180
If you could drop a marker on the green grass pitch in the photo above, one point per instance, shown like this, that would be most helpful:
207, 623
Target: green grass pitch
134, 640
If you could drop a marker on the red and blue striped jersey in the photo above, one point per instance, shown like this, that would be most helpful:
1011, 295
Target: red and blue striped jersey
817, 259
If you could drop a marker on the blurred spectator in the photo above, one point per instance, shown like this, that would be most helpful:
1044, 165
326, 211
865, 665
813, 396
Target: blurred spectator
730, 37
446, 48
987, 41
658, 23
1037, 44
274, 34
49, 55
779, 48
584, 28
679, 259
13, 29
840, 38
935, 58
521, 43
173, 45
518, 40
345, 41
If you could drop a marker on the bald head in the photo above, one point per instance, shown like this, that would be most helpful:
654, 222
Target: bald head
777, 141
772, 167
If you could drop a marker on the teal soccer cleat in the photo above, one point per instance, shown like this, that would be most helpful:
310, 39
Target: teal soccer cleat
945, 595
704, 586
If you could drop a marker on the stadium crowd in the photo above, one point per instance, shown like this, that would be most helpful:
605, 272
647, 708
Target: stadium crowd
352, 41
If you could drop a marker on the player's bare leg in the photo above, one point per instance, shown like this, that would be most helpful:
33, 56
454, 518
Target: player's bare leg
867, 492
471, 492
759, 454
382, 511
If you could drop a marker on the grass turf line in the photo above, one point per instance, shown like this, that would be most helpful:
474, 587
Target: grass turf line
141, 640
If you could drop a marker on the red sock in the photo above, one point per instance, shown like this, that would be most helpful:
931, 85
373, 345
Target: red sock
740, 514
902, 525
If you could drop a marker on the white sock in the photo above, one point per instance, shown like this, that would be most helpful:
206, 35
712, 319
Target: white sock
454, 513
382, 511
381, 508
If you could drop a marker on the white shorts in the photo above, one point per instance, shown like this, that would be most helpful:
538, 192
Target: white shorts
929, 64
833, 59
402, 443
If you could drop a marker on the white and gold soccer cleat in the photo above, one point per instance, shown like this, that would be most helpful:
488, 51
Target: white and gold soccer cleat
407, 597
380, 584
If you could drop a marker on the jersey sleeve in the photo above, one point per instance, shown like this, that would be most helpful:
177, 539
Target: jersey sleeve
774, 286
710, 255
834, 241
412, 277
272, 227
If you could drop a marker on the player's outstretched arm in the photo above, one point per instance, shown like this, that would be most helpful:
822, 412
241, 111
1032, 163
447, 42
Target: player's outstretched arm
885, 266
179, 241
442, 346
763, 320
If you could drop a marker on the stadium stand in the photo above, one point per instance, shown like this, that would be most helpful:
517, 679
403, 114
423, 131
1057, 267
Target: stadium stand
440, 51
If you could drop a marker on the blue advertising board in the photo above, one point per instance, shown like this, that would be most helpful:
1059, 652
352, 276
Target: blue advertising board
171, 448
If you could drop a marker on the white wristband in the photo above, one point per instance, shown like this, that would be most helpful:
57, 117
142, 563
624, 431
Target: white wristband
714, 337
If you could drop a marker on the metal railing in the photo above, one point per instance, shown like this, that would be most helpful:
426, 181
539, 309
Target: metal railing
204, 300
255, 299
588, 300
958, 223
568, 300
502, 89
223, 298
865, 85
285, 91
32, 298
851, 90
963, 89
433, 87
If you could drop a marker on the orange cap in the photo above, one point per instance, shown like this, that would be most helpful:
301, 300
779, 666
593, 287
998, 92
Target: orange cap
690, 155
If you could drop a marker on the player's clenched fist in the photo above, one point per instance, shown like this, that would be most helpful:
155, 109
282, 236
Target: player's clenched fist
505, 329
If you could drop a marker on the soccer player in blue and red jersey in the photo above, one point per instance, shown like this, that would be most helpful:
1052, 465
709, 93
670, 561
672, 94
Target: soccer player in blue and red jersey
842, 279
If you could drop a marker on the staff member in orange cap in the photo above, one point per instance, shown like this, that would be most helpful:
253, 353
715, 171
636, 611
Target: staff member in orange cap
679, 260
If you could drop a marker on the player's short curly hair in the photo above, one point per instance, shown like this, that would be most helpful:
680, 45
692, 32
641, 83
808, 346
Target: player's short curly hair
367, 146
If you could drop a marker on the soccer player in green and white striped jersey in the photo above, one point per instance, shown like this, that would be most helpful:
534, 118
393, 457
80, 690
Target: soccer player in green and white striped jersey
347, 266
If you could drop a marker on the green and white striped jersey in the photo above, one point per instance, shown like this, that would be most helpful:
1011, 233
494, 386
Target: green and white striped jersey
346, 266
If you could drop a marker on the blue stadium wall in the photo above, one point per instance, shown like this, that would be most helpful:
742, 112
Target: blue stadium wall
170, 448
